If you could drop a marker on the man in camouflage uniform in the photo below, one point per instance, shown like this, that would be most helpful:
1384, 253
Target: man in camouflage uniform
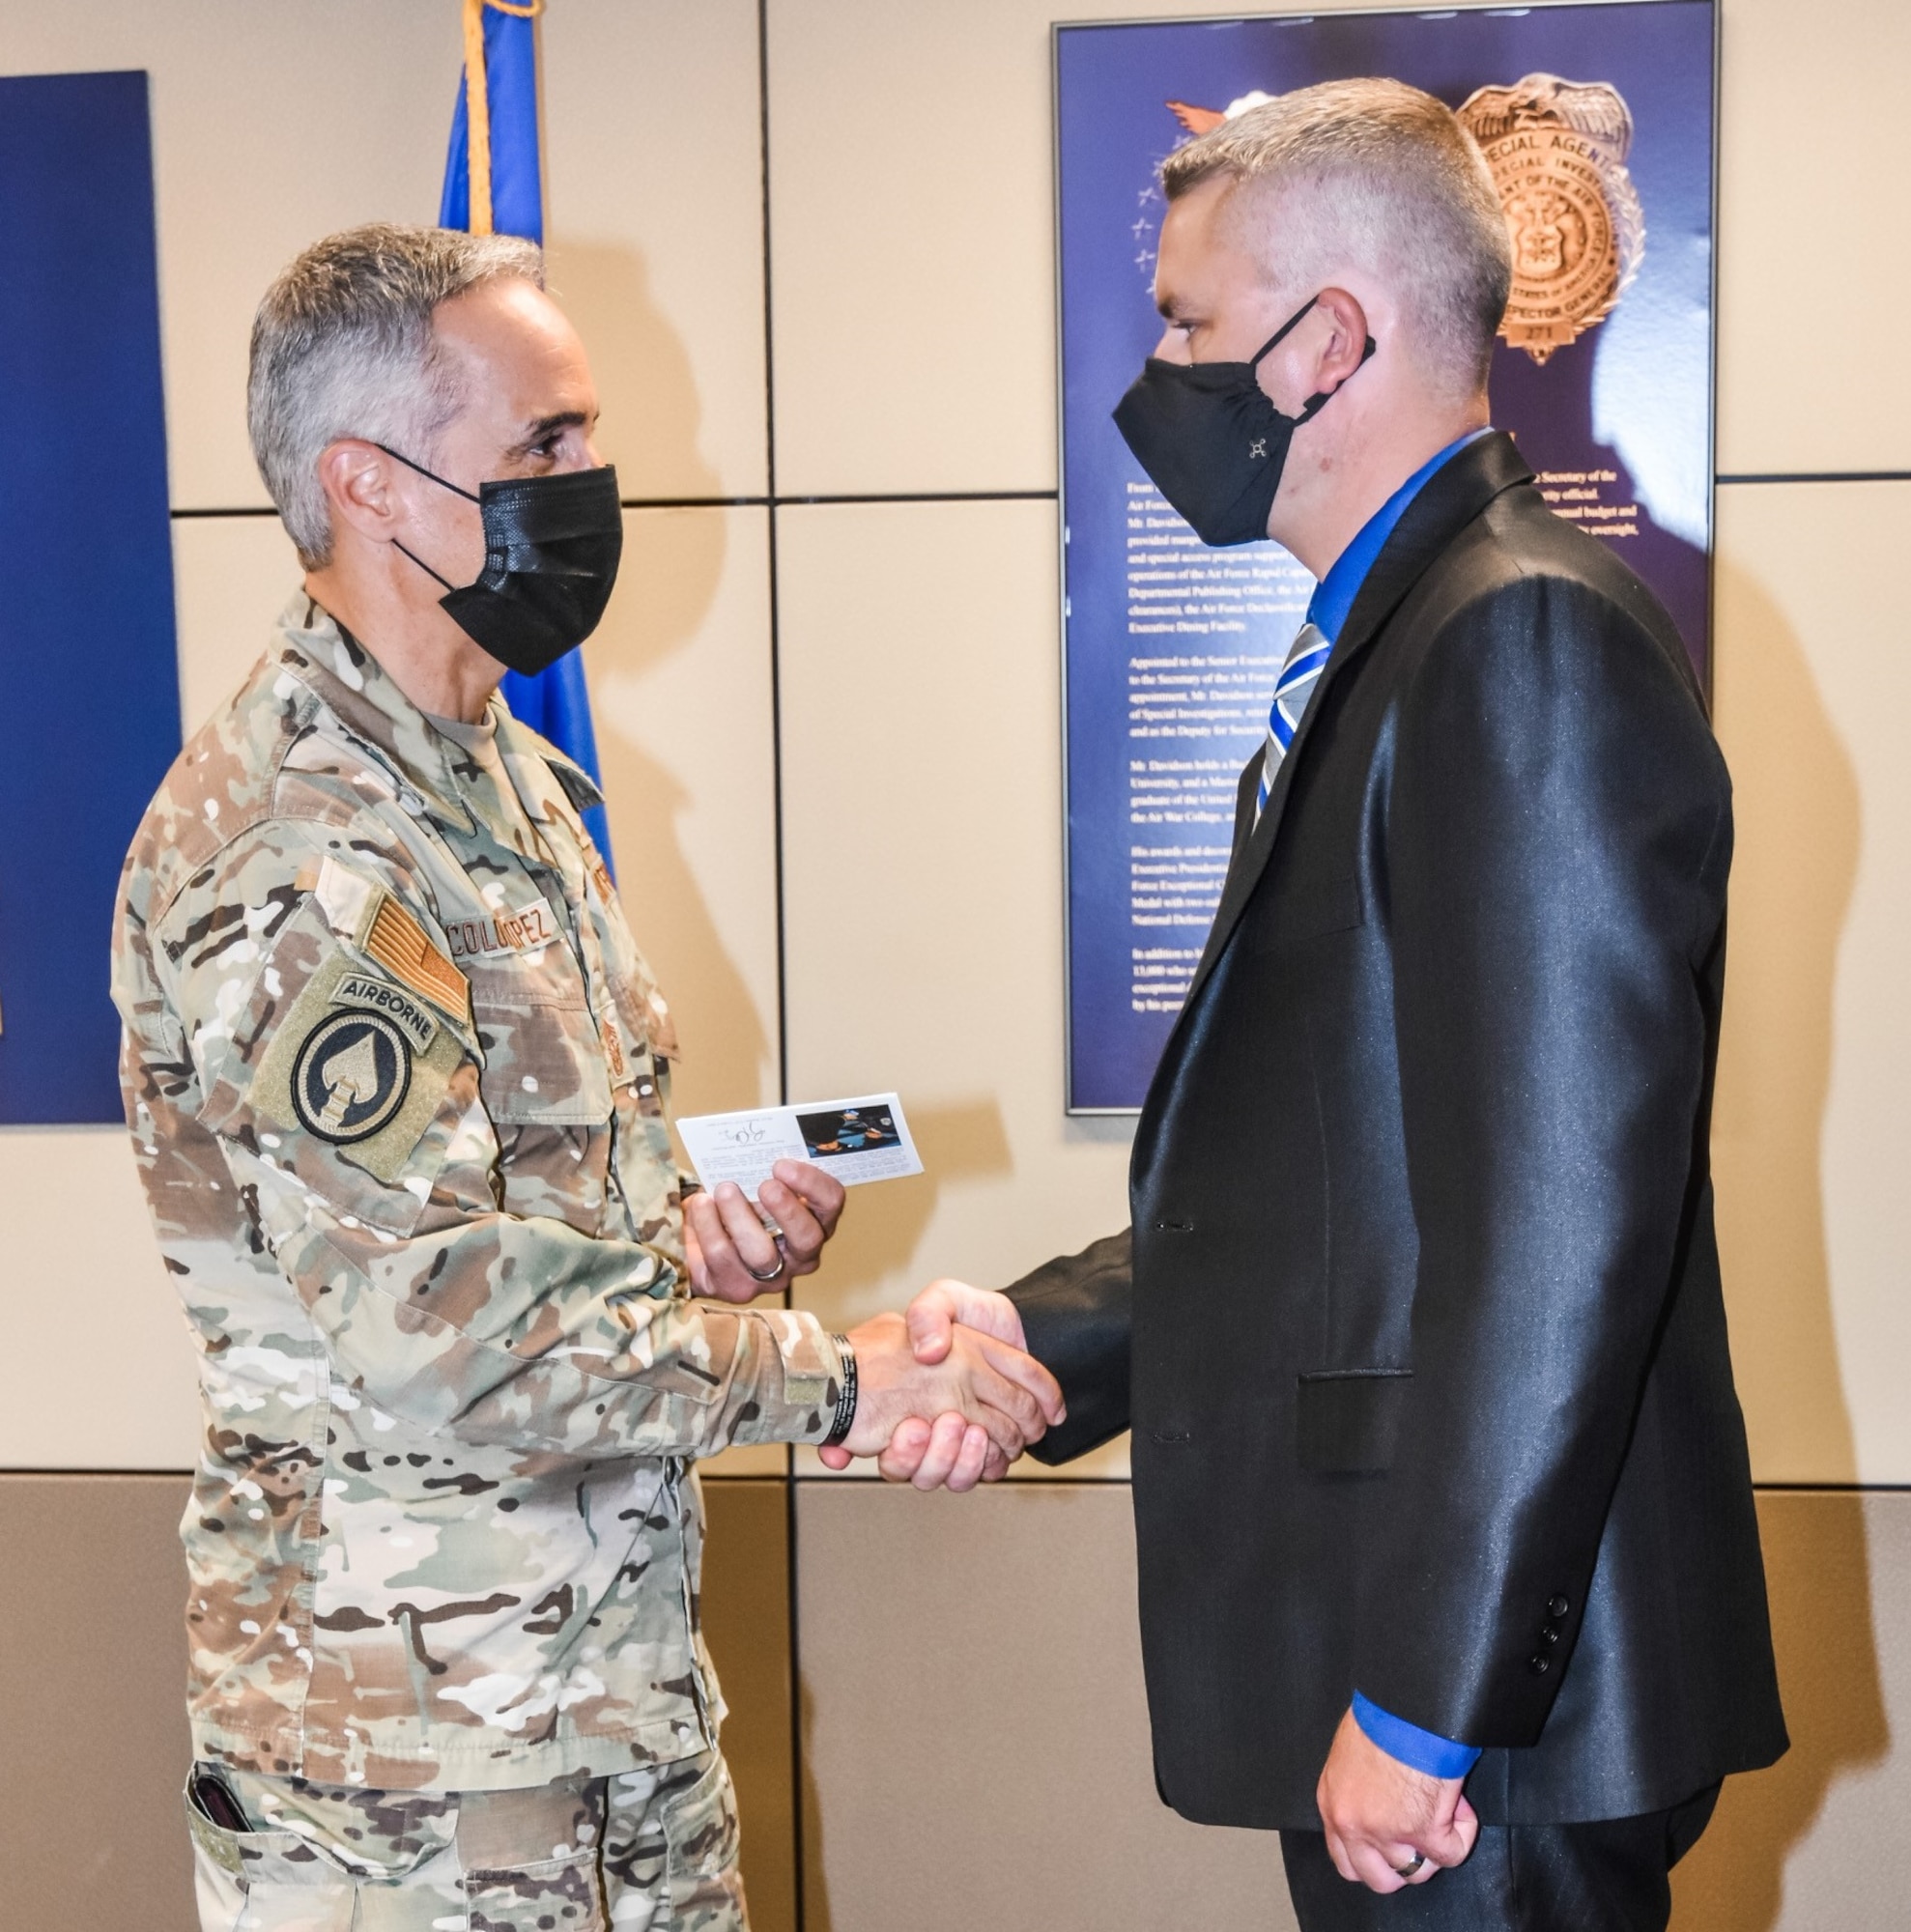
396, 1075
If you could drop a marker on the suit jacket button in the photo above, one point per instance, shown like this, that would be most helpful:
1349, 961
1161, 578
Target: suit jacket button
1539, 1664
1556, 1606
1549, 1634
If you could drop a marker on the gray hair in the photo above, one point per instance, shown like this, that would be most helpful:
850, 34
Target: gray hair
343, 346
1376, 175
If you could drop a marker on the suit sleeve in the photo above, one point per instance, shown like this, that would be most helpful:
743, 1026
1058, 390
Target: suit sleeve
1559, 834
1075, 1318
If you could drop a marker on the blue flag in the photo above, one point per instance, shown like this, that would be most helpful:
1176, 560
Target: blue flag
494, 185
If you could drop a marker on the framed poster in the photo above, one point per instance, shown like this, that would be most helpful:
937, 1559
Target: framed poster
1597, 124
89, 672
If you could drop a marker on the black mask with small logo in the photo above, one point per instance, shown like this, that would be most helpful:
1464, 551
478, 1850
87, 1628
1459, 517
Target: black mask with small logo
1213, 442
550, 551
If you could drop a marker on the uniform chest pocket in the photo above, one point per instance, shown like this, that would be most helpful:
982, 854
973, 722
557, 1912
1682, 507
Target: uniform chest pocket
544, 1059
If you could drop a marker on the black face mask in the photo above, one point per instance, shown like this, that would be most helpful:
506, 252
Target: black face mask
550, 551
1213, 442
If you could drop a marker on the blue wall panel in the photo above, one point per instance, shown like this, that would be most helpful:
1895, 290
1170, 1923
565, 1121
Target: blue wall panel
89, 678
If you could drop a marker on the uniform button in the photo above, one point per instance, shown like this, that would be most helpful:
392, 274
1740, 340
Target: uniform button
1539, 1664
1556, 1606
1549, 1634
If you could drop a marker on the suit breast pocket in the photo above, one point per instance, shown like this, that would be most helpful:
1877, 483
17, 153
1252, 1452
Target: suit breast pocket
1310, 910
1348, 1420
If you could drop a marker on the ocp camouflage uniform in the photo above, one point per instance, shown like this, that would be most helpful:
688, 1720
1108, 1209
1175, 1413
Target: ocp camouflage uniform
396, 1077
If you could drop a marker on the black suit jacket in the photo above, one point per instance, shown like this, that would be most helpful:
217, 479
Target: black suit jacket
1419, 1327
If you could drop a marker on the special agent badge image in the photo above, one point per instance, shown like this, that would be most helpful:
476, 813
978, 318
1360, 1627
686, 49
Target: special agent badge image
1556, 150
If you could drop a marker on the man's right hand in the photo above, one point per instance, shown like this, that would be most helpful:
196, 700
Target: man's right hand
950, 1450
990, 1400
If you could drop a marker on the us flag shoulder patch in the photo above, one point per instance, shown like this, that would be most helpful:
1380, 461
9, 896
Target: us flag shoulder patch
405, 949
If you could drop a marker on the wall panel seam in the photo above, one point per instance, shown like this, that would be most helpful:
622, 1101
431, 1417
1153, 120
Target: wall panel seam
1825, 1487
778, 502
1816, 476
770, 502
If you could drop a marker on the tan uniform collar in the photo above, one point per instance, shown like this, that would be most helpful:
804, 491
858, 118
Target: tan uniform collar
351, 682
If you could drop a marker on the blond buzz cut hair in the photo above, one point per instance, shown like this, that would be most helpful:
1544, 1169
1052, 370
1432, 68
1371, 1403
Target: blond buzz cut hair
1377, 176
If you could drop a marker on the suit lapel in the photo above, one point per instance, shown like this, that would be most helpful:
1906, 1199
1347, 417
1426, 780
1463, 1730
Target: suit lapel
1453, 497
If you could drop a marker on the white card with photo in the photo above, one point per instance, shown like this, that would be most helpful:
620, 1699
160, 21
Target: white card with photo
857, 1140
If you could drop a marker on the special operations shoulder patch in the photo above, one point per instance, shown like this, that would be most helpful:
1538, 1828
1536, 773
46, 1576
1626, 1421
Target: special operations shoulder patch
350, 1076
360, 1062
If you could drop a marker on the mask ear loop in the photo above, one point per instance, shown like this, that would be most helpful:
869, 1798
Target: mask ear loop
399, 456
442, 483
1280, 335
1321, 398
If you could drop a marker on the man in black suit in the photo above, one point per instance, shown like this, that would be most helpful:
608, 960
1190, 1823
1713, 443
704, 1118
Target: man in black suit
1442, 1494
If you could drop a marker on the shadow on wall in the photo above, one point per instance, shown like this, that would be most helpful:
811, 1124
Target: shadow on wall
668, 583
1796, 804
815, 1867
645, 387
880, 1241
1819, 1564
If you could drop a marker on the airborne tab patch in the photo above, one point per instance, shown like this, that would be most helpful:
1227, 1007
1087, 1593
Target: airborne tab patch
356, 989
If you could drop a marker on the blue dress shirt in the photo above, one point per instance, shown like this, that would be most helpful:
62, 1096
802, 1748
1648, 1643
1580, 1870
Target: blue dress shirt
1334, 598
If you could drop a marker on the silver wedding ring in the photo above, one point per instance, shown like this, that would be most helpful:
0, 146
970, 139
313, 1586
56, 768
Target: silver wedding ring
755, 1276
1408, 1870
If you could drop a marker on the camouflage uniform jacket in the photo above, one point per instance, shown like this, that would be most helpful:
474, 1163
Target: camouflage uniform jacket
396, 1075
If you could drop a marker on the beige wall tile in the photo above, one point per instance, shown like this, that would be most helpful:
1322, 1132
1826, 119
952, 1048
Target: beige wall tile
92, 1677
914, 281
1814, 1114
680, 681
1805, 206
745, 1618
681, 696
976, 1739
922, 844
1791, 1848
655, 192
230, 577
78, 1237
271, 126
277, 122
92, 1674
98, 1372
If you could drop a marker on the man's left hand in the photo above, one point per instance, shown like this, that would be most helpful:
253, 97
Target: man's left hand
1381, 1814
734, 1257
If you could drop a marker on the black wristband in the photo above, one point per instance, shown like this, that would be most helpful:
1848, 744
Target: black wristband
846, 1399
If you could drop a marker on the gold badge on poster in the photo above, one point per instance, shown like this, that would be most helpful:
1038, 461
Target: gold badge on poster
1556, 150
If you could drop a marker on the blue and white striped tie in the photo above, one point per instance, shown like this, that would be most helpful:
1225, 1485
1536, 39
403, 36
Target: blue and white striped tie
1306, 660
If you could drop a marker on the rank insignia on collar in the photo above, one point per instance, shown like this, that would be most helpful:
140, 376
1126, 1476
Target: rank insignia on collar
351, 1076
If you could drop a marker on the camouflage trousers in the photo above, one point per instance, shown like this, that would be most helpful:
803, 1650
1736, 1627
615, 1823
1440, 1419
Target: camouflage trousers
643, 1851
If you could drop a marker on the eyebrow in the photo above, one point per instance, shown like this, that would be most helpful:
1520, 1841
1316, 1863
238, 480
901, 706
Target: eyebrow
546, 426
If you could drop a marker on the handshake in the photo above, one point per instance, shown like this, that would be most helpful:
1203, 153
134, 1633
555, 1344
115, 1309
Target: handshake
947, 1396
